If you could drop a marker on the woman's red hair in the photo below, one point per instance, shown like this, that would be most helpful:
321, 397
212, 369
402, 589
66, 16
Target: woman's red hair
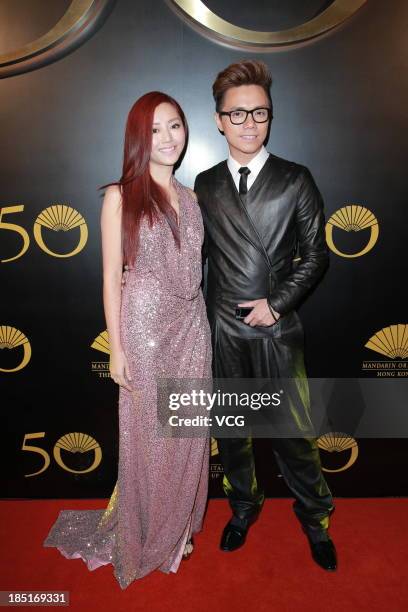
141, 195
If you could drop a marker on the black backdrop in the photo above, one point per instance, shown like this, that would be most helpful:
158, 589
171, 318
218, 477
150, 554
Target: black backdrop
340, 108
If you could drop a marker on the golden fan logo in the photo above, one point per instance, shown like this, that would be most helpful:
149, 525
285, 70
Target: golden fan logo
352, 218
338, 442
60, 217
12, 338
78, 443
101, 343
392, 343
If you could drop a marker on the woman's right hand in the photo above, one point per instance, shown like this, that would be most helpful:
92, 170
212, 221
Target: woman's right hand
119, 369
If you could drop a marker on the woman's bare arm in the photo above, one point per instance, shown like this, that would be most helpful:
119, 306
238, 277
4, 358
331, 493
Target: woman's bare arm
111, 229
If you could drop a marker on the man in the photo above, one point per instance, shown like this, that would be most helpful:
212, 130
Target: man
258, 209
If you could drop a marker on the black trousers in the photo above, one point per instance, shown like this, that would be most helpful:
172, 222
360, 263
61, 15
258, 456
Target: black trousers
298, 458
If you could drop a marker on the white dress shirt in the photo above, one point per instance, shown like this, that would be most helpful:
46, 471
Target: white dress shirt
255, 165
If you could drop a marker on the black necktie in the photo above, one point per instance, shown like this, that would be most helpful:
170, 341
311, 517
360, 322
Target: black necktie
243, 188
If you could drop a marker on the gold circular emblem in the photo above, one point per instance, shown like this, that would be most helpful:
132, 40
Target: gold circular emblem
77, 442
352, 218
60, 217
10, 338
200, 17
339, 442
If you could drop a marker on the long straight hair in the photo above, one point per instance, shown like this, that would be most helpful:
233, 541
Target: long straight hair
141, 195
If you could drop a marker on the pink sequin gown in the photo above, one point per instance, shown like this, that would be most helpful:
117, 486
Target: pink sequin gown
161, 490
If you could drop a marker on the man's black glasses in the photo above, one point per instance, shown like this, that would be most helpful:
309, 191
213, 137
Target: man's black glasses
259, 115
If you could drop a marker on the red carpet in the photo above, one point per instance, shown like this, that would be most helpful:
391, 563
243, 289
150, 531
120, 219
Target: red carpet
274, 570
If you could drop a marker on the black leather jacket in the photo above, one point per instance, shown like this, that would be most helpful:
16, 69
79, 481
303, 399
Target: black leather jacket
251, 242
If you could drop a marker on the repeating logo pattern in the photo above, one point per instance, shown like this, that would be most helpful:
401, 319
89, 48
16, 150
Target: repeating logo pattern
390, 342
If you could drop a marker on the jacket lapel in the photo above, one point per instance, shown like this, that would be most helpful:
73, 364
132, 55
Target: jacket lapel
231, 203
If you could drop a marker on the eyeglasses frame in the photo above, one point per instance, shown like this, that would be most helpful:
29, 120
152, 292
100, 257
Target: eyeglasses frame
248, 112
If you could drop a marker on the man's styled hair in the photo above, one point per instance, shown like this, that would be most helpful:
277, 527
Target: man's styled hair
247, 72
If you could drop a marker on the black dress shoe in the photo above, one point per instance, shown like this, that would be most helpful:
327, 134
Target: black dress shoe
233, 537
324, 553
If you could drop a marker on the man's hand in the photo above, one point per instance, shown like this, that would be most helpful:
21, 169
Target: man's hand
260, 314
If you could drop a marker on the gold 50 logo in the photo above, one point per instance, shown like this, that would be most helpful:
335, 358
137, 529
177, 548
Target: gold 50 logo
352, 218
75, 442
201, 18
58, 217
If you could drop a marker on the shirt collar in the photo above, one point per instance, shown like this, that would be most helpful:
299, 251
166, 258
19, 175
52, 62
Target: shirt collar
255, 165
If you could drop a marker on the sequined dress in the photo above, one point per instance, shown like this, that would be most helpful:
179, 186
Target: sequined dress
159, 498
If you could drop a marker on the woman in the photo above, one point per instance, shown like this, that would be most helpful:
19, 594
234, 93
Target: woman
157, 326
